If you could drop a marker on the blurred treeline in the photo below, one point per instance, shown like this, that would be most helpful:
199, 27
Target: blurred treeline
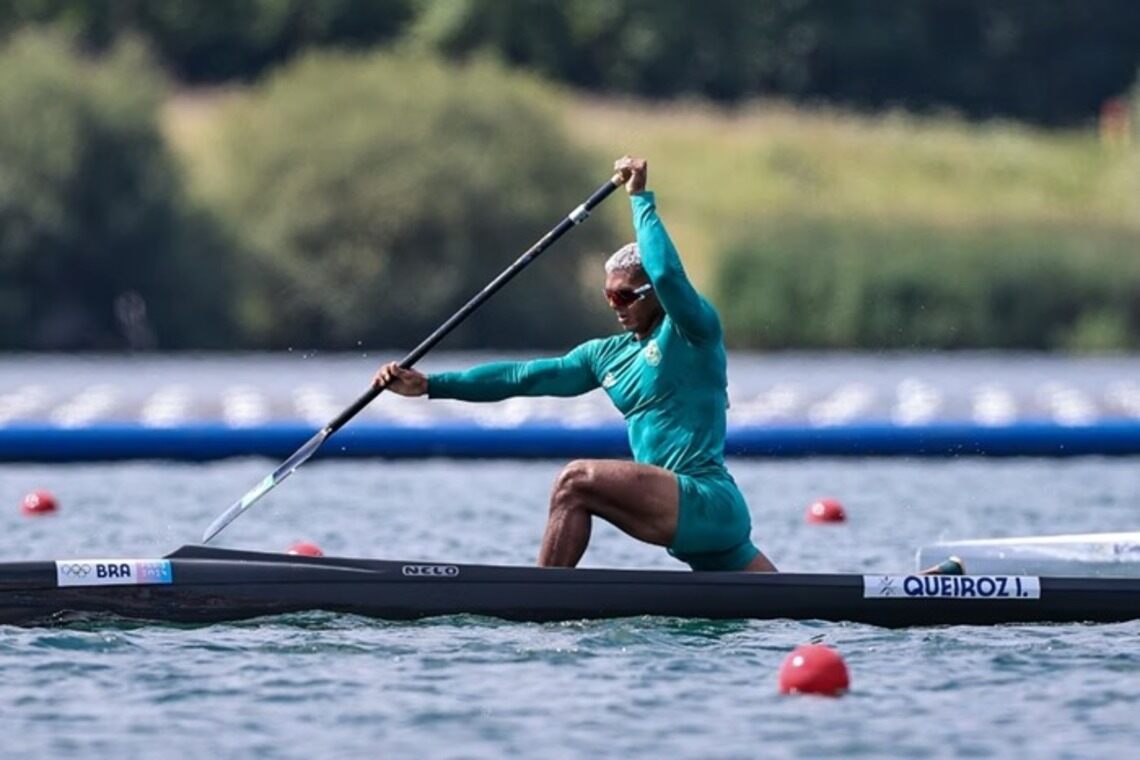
356, 169
979, 57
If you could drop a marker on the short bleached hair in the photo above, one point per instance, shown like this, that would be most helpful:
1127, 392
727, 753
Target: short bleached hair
625, 259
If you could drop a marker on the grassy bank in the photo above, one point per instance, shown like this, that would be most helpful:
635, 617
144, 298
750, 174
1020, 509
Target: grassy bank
918, 209
817, 229
721, 173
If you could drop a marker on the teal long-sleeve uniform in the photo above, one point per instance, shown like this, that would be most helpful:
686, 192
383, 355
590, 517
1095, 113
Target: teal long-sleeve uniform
670, 387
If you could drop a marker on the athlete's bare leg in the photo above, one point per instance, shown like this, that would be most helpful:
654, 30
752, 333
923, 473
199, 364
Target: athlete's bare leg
640, 499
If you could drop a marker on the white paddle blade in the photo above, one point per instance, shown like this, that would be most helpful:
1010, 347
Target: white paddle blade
238, 507
299, 457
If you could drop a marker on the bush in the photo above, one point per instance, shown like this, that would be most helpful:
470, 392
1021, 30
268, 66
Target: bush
379, 193
97, 246
830, 284
1050, 63
218, 40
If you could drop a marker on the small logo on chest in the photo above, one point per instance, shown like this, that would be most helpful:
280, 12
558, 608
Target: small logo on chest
652, 353
609, 381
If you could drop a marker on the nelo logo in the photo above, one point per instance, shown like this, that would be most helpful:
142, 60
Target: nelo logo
433, 571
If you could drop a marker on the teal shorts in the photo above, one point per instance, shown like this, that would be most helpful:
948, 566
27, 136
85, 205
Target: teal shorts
714, 526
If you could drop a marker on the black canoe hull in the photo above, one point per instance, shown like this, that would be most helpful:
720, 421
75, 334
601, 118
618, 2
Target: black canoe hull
216, 585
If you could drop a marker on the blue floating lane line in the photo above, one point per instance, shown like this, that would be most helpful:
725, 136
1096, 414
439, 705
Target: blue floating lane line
210, 441
943, 439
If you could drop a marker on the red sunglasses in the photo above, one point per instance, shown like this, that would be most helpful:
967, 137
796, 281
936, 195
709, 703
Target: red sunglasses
627, 296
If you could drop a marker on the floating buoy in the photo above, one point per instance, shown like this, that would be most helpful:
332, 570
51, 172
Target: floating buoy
825, 511
39, 503
306, 549
814, 669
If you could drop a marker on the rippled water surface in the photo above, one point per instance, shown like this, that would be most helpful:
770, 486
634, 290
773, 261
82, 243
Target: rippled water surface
319, 685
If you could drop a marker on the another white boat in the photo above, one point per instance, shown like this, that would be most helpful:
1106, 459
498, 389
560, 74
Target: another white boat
1084, 554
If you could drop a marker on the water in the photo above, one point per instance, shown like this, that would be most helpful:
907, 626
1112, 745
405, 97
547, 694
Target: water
319, 685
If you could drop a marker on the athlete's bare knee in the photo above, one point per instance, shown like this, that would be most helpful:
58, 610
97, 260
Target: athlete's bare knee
573, 484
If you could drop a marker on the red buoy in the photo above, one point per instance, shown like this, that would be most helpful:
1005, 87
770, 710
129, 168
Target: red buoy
826, 511
814, 669
306, 549
39, 503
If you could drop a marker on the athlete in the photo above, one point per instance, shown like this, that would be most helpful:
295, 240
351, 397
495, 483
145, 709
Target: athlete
666, 373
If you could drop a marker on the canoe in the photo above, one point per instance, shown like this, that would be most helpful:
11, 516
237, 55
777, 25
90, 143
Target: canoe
198, 584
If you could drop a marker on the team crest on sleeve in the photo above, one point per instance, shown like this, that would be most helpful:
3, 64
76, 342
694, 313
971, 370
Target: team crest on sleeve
652, 353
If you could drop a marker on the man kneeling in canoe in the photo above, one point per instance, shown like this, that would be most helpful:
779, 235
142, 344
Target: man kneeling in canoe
667, 375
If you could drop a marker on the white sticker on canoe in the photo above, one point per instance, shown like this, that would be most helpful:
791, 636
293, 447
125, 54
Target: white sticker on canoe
112, 572
951, 587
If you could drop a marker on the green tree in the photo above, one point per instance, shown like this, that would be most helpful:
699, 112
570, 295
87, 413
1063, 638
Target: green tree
1041, 60
97, 246
379, 193
820, 283
218, 40
1050, 62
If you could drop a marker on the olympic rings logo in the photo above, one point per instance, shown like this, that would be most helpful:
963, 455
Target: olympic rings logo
75, 570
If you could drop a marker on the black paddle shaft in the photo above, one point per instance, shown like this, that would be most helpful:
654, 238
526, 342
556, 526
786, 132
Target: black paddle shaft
577, 216
302, 455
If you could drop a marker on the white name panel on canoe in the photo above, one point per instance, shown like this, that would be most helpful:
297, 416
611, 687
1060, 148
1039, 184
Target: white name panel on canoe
112, 572
951, 587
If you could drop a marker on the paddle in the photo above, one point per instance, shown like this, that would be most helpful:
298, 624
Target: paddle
302, 455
